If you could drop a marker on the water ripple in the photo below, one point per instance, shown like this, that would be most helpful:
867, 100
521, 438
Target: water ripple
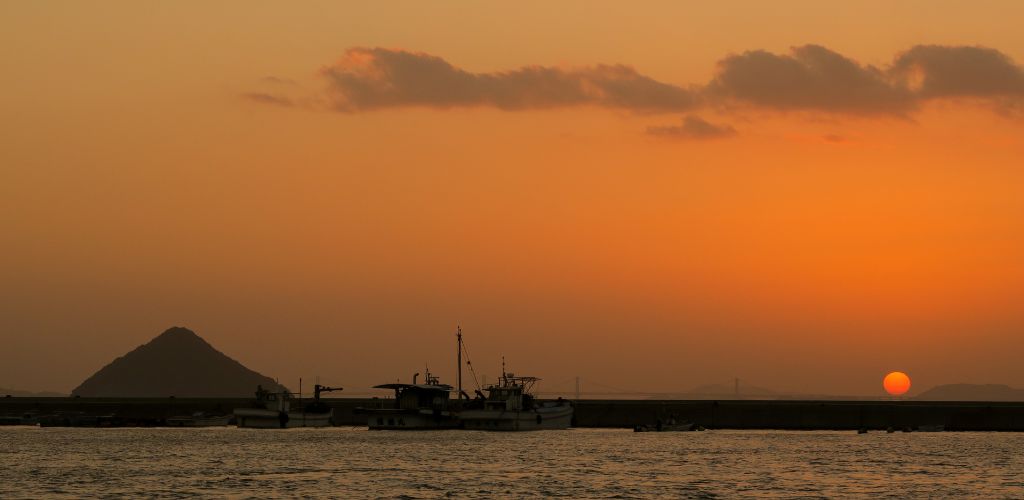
580, 463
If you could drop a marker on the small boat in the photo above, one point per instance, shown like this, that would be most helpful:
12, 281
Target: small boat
416, 407
80, 419
669, 425
272, 410
509, 406
199, 419
8, 420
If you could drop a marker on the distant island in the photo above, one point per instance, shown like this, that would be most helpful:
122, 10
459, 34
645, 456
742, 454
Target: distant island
176, 363
30, 394
971, 392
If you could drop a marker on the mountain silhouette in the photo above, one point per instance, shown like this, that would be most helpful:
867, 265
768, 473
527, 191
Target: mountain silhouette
176, 363
5, 391
971, 392
728, 391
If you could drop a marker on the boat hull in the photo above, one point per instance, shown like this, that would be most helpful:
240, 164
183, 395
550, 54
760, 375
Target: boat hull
543, 418
685, 427
208, 421
394, 419
255, 418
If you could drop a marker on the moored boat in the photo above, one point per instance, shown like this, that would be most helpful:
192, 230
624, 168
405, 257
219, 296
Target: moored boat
509, 406
199, 419
415, 407
80, 419
24, 419
272, 410
670, 425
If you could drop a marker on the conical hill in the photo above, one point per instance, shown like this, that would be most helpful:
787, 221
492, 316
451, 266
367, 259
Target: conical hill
176, 363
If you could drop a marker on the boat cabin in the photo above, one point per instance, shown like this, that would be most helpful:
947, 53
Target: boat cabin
511, 393
276, 401
431, 395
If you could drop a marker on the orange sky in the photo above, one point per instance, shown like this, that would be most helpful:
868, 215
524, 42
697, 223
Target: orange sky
652, 229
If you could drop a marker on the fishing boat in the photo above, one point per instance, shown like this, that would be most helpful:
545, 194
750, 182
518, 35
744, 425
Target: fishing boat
420, 406
415, 407
669, 425
509, 406
80, 419
23, 419
199, 419
272, 410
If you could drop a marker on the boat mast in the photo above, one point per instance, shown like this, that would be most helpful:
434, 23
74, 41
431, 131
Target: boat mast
458, 336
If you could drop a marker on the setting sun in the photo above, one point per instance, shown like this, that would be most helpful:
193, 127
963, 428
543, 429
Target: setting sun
896, 383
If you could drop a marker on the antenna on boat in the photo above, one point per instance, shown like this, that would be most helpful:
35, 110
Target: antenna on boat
458, 361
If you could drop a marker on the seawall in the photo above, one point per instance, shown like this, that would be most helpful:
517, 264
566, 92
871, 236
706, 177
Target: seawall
718, 414
807, 415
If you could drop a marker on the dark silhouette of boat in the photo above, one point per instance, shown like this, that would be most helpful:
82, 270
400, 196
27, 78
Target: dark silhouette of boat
670, 426
273, 410
199, 419
415, 407
509, 406
23, 419
80, 419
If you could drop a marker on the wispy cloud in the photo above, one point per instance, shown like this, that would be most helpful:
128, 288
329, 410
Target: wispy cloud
264, 98
374, 78
276, 80
693, 127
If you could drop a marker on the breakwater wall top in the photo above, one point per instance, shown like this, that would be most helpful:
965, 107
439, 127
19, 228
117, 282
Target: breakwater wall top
713, 414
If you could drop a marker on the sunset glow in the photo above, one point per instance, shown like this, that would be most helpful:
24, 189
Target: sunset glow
677, 194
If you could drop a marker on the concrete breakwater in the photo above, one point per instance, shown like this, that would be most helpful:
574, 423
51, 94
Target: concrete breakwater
808, 415
719, 414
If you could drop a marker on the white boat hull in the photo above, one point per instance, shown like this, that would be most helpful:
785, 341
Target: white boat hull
256, 418
543, 418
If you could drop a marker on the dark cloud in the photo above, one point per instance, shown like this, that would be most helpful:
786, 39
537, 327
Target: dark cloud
811, 78
265, 98
367, 79
935, 71
808, 78
693, 127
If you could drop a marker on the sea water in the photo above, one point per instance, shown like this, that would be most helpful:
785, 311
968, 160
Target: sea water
578, 463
